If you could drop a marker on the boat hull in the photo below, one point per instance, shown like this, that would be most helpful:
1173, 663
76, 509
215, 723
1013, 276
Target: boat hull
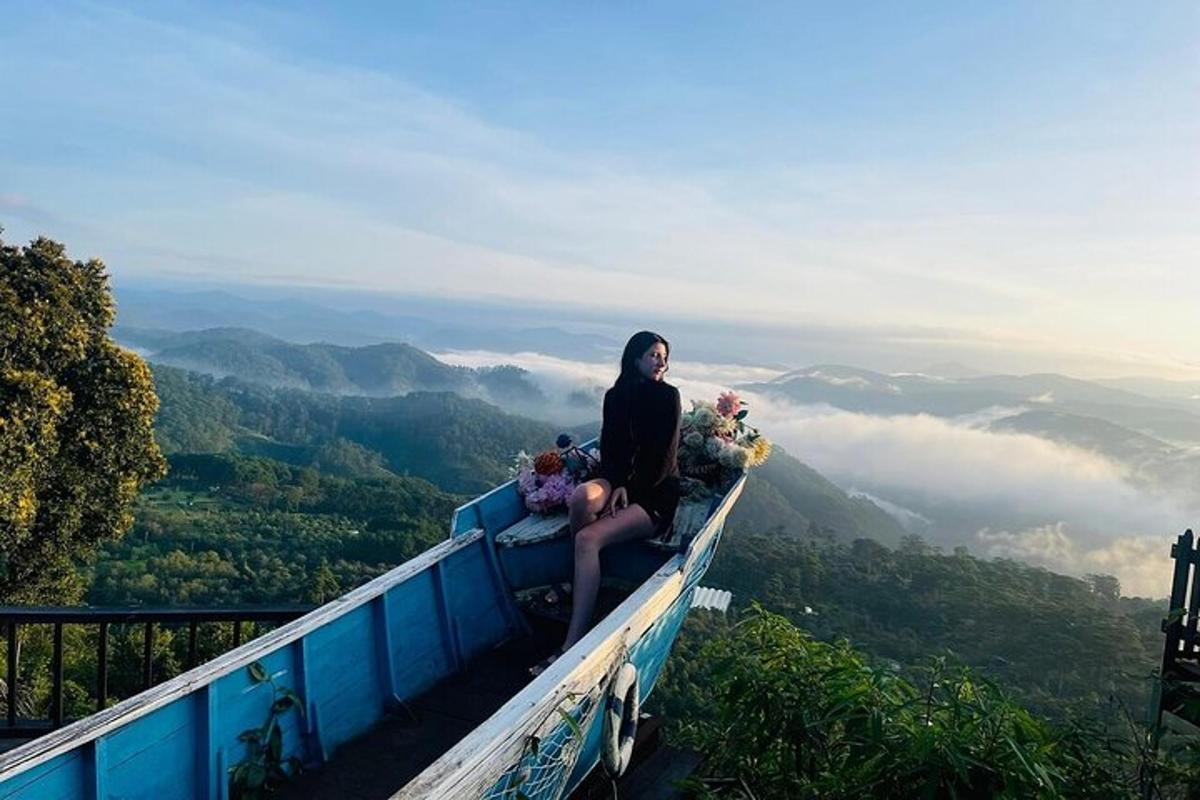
355, 660
528, 748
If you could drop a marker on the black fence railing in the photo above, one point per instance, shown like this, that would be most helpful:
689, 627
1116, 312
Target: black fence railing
14, 618
1176, 693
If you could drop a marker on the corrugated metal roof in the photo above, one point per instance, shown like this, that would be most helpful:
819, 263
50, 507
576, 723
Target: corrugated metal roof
715, 599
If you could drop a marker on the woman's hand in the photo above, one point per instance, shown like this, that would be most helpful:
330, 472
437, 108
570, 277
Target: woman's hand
617, 499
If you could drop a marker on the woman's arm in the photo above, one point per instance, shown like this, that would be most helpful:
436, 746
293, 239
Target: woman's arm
657, 455
616, 452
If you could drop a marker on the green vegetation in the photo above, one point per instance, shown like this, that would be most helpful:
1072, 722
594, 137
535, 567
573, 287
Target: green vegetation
264, 770
280, 495
75, 422
460, 444
229, 529
1060, 643
781, 715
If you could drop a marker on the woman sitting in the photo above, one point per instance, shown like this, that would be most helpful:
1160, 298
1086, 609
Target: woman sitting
638, 491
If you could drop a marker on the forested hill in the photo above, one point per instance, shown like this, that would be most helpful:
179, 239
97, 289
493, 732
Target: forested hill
786, 494
1059, 641
377, 370
460, 444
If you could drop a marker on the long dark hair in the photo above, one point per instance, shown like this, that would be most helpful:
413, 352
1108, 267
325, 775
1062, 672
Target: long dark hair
635, 348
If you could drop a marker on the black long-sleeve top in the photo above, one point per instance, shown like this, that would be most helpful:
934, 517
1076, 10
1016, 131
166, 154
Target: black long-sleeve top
639, 438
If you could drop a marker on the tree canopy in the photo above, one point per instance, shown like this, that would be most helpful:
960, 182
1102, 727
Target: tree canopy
76, 416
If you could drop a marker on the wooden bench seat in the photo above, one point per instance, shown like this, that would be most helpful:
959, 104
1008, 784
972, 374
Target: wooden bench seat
535, 528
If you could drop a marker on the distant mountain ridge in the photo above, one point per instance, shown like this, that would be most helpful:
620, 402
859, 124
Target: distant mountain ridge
429, 325
461, 444
868, 392
377, 370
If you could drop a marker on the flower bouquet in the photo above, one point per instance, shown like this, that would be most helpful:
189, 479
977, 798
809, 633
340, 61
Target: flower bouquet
547, 480
714, 440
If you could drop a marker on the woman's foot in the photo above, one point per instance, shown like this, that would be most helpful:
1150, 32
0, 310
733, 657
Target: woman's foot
545, 663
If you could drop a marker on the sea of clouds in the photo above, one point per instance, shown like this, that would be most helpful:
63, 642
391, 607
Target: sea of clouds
1090, 515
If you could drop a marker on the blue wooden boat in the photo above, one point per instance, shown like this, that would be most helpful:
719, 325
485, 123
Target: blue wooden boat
370, 656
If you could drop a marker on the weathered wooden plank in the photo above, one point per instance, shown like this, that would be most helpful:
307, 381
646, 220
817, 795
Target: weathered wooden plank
711, 530
449, 635
384, 650
207, 743
422, 655
346, 676
154, 755
470, 515
63, 777
533, 529
97, 762
65, 739
689, 519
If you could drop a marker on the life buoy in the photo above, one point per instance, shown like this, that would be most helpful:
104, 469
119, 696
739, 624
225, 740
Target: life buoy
620, 720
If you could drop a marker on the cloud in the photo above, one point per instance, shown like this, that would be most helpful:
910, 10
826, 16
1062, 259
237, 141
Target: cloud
249, 162
912, 521
20, 207
559, 377
942, 460
1095, 519
1142, 563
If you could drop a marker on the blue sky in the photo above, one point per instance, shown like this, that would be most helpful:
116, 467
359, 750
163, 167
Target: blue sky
1020, 175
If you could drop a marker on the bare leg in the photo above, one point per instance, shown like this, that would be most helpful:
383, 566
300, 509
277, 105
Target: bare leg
587, 502
631, 522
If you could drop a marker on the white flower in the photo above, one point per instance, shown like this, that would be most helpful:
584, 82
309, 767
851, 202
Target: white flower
707, 419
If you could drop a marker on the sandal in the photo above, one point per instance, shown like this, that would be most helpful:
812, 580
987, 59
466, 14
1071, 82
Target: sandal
545, 663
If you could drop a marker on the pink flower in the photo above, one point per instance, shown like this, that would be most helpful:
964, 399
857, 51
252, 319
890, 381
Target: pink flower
729, 404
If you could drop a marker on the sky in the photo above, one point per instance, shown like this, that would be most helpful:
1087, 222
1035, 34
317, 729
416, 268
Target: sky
1019, 175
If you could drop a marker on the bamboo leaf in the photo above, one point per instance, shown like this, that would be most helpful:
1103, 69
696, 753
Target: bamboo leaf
571, 723
258, 673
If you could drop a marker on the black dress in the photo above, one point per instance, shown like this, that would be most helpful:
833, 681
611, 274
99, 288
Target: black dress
639, 447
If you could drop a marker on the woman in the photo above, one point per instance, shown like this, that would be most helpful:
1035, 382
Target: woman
638, 491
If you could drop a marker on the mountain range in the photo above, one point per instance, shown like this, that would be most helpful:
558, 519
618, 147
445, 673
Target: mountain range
377, 370
461, 444
1173, 419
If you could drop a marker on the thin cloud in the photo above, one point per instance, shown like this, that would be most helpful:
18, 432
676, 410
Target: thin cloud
1142, 563
1096, 519
322, 171
937, 458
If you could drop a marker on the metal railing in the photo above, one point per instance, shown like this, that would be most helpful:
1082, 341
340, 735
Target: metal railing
13, 618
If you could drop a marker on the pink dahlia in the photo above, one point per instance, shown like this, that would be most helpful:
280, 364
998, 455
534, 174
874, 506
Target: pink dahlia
729, 404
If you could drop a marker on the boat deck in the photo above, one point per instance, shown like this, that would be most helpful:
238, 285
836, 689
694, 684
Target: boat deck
380, 762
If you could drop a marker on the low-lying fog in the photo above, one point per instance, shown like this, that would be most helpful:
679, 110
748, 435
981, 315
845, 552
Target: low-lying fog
952, 479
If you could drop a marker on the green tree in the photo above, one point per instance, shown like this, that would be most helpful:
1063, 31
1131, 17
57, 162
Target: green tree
76, 415
324, 586
784, 716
